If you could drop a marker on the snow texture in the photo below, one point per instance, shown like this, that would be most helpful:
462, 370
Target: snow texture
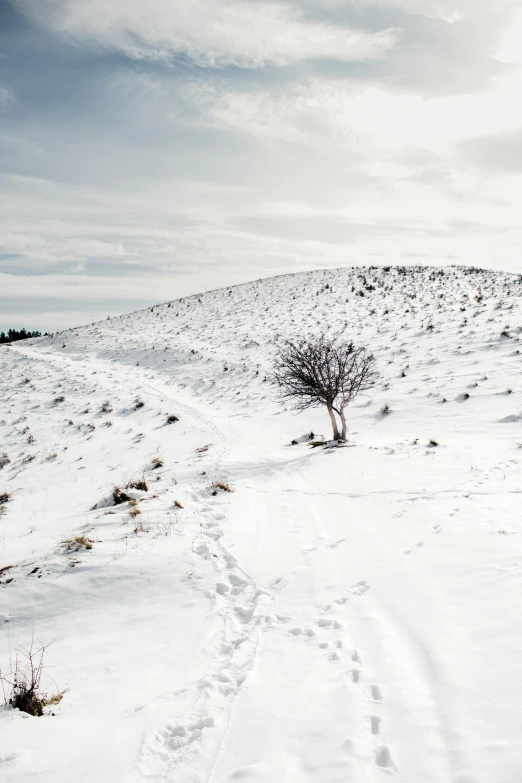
343, 615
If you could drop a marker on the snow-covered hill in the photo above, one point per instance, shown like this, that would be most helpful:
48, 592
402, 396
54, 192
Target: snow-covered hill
343, 615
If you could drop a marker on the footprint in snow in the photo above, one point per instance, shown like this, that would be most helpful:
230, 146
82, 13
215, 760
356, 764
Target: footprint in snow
382, 757
374, 724
360, 588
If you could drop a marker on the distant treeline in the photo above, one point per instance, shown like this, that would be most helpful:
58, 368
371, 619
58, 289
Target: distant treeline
15, 334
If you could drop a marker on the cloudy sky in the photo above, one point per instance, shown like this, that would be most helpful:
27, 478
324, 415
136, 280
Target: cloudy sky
154, 148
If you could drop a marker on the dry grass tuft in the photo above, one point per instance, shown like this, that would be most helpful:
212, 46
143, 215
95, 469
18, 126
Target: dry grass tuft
140, 484
217, 485
77, 543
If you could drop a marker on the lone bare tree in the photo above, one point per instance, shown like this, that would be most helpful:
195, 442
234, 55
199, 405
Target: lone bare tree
326, 372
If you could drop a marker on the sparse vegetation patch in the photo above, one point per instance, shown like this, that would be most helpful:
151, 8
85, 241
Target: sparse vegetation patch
22, 686
220, 485
77, 543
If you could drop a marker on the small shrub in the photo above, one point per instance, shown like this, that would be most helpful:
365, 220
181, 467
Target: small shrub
134, 512
22, 685
4, 460
178, 504
138, 404
385, 410
172, 419
58, 400
106, 407
157, 462
5, 497
433, 443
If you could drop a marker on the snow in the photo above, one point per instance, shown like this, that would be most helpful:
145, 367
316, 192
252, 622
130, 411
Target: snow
343, 614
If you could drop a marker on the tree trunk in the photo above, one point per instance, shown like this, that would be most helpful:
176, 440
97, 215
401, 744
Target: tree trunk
336, 435
343, 423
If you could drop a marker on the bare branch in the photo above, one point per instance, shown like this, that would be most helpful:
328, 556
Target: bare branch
326, 372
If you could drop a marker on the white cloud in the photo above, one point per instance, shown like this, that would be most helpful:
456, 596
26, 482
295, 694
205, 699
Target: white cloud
208, 32
449, 11
368, 121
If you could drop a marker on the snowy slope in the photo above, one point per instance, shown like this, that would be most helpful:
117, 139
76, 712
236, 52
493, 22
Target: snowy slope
342, 615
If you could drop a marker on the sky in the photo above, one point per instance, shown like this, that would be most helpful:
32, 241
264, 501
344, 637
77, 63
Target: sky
154, 148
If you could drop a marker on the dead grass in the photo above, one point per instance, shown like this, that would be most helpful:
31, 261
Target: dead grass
56, 699
177, 504
140, 484
5, 497
134, 512
217, 485
77, 543
157, 462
